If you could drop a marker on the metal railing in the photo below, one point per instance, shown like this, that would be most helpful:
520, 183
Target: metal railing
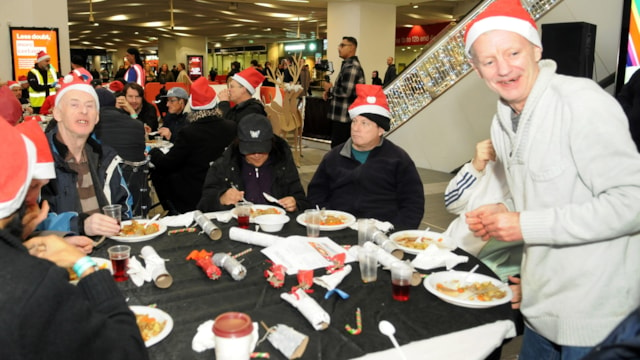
440, 66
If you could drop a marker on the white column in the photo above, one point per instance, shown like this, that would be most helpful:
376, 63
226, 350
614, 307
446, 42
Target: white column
33, 13
372, 24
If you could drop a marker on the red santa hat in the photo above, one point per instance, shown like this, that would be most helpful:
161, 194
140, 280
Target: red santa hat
203, 97
83, 73
116, 86
12, 84
502, 15
44, 168
71, 82
10, 107
371, 102
249, 78
23, 79
42, 56
17, 158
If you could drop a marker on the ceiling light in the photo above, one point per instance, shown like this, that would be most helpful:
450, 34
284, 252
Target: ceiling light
265, 5
280, 15
415, 6
120, 17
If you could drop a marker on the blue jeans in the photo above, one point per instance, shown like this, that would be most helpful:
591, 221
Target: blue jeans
537, 347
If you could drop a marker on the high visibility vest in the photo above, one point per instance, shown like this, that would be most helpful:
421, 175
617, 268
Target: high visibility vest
36, 98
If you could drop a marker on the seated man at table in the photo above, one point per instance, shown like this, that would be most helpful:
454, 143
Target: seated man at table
87, 173
132, 102
43, 171
242, 86
44, 316
256, 162
176, 118
179, 174
369, 176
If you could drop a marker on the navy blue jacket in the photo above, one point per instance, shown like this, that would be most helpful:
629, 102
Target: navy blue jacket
386, 187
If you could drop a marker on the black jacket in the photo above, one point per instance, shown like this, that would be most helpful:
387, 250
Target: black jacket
251, 106
225, 172
183, 169
148, 115
46, 317
121, 132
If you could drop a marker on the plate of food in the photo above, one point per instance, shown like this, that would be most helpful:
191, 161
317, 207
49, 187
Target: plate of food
154, 324
331, 220
415, 241
102, 264
478, 291
135, 231
258, 210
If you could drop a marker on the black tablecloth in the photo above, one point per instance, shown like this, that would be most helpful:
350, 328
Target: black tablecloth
193, 299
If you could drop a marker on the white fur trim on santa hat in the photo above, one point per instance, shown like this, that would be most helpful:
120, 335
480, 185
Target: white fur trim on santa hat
76, 85
10, 202
369, 109
210, 105
244, 83
43, 56
508, 23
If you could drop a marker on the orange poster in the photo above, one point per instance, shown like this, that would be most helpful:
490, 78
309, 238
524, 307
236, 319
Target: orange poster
27, 42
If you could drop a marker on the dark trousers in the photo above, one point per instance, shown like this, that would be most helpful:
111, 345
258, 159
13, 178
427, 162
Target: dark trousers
340, 132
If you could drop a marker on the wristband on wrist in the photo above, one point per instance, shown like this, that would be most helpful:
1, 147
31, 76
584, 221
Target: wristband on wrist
134, 116
83, 264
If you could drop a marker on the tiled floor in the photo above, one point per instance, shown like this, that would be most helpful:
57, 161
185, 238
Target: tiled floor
435, 216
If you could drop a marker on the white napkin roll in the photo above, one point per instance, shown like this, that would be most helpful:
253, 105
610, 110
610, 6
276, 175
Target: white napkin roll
384, 258
137, 272
154, 263
309, 308
332, 281
252, 237
433, 257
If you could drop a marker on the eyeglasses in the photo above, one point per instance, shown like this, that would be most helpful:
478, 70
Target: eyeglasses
343, 45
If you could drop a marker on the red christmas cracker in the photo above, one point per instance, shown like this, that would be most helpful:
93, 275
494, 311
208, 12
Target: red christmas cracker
203, 260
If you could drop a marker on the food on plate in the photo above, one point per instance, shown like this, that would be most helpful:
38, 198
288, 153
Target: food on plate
149, 327
139, 229
331, 220
411, 242
268, 211
478, 291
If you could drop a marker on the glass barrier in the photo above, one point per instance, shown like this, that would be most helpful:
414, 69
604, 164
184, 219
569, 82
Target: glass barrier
440, 66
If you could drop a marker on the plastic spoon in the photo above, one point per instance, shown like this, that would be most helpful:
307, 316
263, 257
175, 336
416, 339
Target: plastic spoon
388, 329
270, 198
152, 220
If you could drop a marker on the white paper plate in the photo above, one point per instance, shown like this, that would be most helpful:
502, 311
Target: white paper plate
159, 315
448, 278
133, 239
259, 207
102, 264
446, 243
348, 220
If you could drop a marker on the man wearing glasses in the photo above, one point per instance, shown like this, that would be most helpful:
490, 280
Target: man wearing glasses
343, 93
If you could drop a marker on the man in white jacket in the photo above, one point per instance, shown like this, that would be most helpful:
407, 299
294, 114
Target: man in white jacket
574, 177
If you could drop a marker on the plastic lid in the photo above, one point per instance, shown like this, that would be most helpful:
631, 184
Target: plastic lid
232, 325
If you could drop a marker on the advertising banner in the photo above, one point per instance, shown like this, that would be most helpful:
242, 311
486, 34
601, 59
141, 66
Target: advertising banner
26, 43
195, 64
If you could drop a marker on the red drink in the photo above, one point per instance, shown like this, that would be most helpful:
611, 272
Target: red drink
119, 266
243, 221
400, 290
